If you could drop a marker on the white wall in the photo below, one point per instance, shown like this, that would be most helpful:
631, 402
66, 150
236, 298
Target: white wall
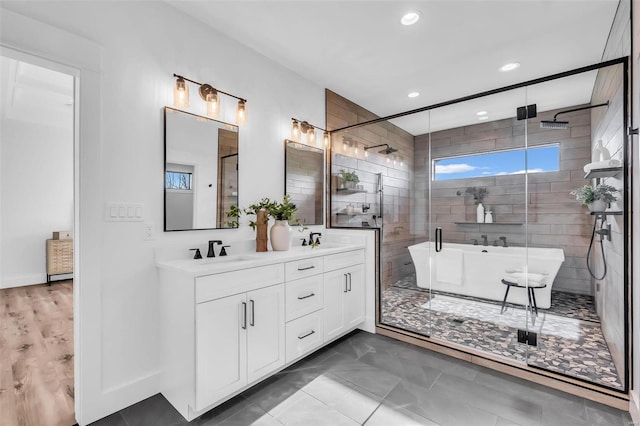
141, 44
36, 186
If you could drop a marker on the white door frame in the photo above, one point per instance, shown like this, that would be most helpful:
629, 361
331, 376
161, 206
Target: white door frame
65, 52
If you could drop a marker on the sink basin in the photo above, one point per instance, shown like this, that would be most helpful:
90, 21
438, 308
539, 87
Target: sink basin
322, 246
224, 259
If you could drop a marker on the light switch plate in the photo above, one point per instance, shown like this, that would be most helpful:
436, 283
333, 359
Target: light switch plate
123, 212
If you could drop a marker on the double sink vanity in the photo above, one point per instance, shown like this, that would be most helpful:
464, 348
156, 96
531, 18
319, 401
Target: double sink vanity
233, 321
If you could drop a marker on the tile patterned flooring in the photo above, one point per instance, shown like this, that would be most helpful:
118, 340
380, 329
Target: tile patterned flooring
570, 340
376, 381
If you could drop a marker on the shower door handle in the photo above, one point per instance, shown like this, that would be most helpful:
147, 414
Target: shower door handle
438, 240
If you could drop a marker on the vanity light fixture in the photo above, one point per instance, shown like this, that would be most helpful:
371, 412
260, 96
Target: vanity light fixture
181, 93
210, 95
303, 127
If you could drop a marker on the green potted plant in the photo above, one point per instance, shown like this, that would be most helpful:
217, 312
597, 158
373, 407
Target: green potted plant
282, 212
348, 180
478, 193
596, 198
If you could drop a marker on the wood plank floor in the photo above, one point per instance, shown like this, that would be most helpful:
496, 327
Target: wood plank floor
36, 355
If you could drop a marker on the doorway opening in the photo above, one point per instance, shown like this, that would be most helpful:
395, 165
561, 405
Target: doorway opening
37, 257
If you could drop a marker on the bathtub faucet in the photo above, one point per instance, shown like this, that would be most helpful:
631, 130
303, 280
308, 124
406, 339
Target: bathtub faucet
485, 242
475, 242
504, 241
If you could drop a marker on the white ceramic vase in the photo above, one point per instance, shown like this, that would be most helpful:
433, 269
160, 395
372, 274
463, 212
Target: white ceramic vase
281, 235
480, 213
597, 206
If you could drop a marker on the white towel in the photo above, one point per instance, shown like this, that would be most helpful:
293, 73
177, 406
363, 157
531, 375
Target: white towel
448, 264
601, 165
535, 280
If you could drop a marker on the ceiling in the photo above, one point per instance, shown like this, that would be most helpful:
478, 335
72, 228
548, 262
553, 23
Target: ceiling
360, 50
35, 94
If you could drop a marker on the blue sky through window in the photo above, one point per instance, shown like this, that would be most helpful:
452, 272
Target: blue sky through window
498, 163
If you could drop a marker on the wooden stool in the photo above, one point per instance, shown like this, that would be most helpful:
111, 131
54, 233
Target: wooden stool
530, 292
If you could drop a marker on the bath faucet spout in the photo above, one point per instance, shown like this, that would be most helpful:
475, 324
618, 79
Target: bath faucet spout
485, 242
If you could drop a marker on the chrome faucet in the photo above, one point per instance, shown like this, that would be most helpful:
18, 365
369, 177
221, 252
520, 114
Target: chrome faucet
485, 242
504, 241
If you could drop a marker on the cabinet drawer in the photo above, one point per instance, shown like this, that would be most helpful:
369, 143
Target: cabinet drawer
303, 296
227, 283
304, 335
303, 268
343, 260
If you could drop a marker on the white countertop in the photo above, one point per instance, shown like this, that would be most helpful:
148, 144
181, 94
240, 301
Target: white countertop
215, 265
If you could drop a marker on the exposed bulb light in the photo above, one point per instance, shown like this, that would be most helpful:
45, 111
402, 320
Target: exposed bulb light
295, 130
388, 159
355, 150
344, 146
311, 135
213, 105
366, 153
325, 139
481, 113
241, 114
395, 161
410, 18
509, 67
181, 93
401, 161
413, 94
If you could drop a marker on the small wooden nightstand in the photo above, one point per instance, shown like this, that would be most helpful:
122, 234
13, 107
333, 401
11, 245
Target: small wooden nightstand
59, 258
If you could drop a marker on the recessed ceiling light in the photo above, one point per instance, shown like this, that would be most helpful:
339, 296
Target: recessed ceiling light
481, 113
510, 66
410, 18
413, 94
484, 117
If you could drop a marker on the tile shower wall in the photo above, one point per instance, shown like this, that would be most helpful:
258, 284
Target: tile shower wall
397, 180
608, 126
304, 184
555, 218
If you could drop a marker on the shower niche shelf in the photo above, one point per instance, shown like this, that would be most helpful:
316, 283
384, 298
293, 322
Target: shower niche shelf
356, 214
492, 223
603, 173
351, 191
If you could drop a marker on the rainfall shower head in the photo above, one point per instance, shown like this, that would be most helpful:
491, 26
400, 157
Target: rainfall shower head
387, 151
545, 124
555, 124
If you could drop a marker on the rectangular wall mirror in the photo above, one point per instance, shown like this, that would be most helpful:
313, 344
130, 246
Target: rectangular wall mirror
304, 181
200, 171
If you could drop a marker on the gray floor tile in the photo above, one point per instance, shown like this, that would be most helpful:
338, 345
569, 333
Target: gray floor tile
225, 411
417, 372
304, 410
112, 420
439, 362
505, 422
250, 415
388, 415
364, 343
363, 375
441, 407
598, 414
153, 411
345, 397
515, 406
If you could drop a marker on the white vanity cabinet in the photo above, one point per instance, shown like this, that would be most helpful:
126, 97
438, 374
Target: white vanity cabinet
226, 328
344, 304
239, 339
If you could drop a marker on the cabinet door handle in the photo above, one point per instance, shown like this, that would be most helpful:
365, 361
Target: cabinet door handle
306, 335
349, 280
253, 313
306, 268
345, 283
306, 297
244, 315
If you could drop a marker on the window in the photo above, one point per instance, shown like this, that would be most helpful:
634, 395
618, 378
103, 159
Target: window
177, 180
540, 159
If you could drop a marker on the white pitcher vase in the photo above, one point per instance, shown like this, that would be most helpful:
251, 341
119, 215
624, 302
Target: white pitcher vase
480, 213
281, 235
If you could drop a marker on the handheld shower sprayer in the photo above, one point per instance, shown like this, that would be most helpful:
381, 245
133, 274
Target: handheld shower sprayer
604, 231
555, 124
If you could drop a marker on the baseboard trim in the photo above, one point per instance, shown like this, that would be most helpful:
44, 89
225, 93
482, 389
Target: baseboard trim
23, 280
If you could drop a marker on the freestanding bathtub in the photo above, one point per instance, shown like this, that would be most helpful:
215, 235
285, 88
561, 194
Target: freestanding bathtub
478, 270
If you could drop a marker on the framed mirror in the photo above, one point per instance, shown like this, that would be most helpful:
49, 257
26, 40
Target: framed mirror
200, 171
304, 181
